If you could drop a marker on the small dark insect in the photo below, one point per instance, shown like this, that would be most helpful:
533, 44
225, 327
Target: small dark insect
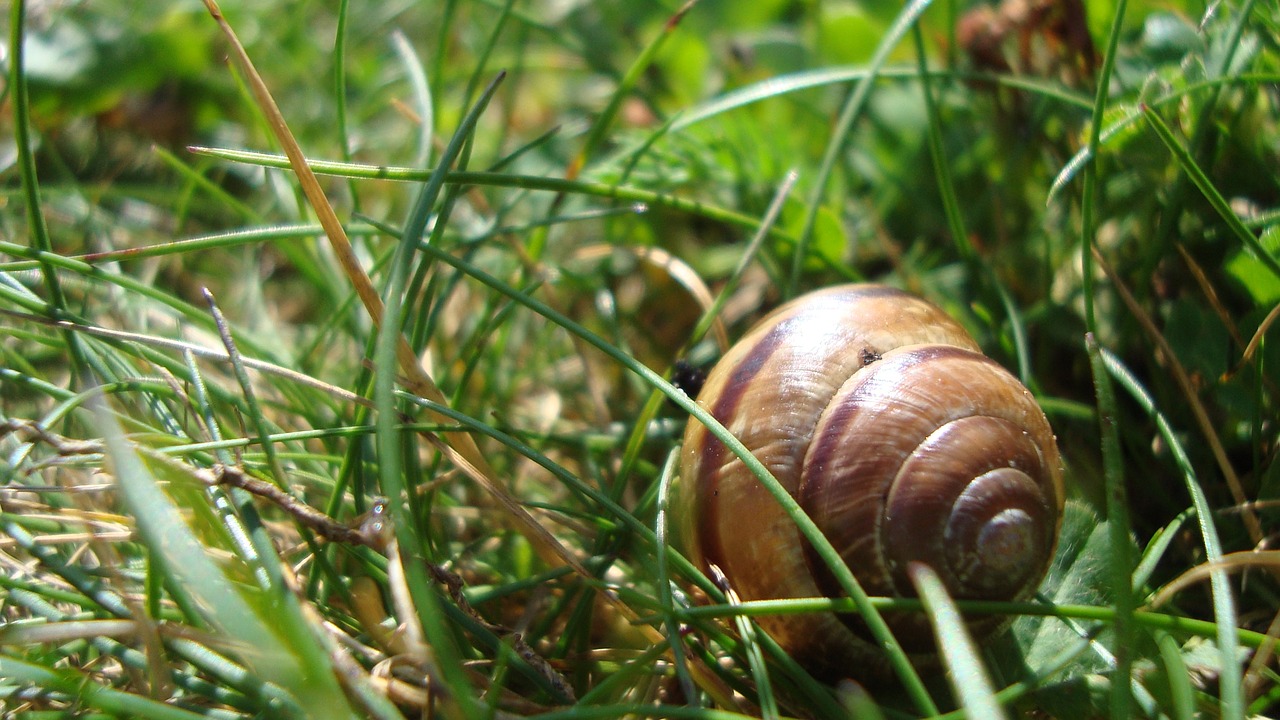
688, 377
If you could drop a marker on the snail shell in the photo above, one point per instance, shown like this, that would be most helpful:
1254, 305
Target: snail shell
903, 443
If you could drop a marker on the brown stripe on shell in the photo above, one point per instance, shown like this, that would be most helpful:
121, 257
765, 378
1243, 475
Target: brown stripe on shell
712, 453
706, 456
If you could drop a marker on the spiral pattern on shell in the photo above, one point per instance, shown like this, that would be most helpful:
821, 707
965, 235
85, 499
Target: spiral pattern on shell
876, 411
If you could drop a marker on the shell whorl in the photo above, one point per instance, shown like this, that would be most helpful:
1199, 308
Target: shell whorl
875, 410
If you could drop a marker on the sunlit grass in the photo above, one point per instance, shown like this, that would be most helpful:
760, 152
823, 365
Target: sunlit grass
396, 434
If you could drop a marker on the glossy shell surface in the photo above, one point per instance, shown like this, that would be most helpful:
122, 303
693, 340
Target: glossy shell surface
876, 411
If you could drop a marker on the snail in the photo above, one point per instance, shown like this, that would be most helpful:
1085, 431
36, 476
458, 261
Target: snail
877, 412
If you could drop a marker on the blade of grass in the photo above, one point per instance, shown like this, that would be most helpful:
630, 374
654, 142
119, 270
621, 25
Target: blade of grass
604, 122
36, 224
1119, 563
480, 66
340, 93
1160, 542
618, 683
187, 311
751, 645
247, 535
840, 133
941, 168
610, 712
246, 388
712, 314
1223, 603
415, 226
291, 659
196, 179
1206, 126
218, 240
529, 182
955, 218
1181, 696
89, 693
663, 579
1088, 200
391, 443
417, 77
1202, 182
455, 693
780, 85
1132, 114
964, 665
417, 377
1175, 624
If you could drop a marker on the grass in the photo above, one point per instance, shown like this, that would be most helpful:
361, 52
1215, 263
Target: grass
393, 435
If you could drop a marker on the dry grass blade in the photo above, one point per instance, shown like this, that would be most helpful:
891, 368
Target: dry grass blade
416, 378
1256, 675
1251, 521
1215, 302
1210, 294
418, 382
1255, 342
1233, 561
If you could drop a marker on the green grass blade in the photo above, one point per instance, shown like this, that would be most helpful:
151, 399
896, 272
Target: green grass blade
246, 536
1206, 187
1132, 114
421, 96
341, 125
748, 255
303, 670
840, 133
955, 217
1224, 611
781, 85
17, 88
627, 194
1120, 565
392, 442
1181, 695
663, 579
604, 122
964, 665
89, 693
755, 658
1088, 199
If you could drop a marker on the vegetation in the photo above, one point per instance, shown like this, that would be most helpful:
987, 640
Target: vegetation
214, 365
